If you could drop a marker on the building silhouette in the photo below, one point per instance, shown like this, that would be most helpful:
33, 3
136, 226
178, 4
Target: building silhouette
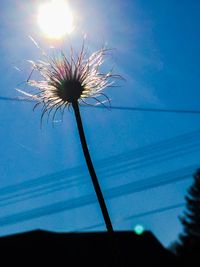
85, 249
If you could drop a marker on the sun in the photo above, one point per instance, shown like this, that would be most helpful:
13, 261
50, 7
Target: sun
55, 19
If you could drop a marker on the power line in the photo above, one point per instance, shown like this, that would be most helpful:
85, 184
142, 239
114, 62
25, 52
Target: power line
150, 150
129, 157
89, 199
152, 109
67, 205
130, 188
137, 215
47, 210
142, 109
76, 176
155, 211
16, 99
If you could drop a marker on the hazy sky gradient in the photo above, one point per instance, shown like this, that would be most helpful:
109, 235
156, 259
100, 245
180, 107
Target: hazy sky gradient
156, 49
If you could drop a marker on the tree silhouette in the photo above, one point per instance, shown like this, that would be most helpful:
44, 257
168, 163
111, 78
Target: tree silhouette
187, 247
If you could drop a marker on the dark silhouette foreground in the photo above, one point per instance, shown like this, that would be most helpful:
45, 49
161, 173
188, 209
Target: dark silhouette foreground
187, 247
85, 249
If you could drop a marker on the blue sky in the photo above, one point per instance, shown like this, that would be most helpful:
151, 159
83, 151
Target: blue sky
138, 155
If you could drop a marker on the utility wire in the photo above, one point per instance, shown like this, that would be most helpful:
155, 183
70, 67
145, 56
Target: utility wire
16, 99
129, 188
77, 176
89, 199
118, 191
140, 153
130, 157
134, 216
155, 211
152, 109
143, 109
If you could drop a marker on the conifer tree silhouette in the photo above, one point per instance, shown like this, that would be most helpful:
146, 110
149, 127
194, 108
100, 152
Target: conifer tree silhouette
188, 245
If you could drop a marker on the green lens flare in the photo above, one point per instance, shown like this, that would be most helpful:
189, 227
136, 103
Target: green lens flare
139, 229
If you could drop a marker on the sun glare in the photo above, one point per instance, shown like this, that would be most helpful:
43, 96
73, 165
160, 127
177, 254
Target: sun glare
55, 19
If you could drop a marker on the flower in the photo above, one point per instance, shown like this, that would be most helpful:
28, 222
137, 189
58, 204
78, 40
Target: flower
66, 81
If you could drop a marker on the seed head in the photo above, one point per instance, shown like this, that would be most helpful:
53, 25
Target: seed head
65, 81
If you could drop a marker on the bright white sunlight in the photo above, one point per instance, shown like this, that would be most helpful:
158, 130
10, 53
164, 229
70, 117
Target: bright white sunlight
55, 19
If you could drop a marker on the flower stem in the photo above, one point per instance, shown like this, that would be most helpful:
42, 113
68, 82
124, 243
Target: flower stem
91, 168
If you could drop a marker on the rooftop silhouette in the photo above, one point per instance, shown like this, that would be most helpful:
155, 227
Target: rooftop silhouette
121, 248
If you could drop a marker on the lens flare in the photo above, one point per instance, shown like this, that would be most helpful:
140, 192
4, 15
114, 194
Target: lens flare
55, 19
139, 229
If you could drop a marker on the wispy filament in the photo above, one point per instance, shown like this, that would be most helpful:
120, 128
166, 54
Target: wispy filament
67, 80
